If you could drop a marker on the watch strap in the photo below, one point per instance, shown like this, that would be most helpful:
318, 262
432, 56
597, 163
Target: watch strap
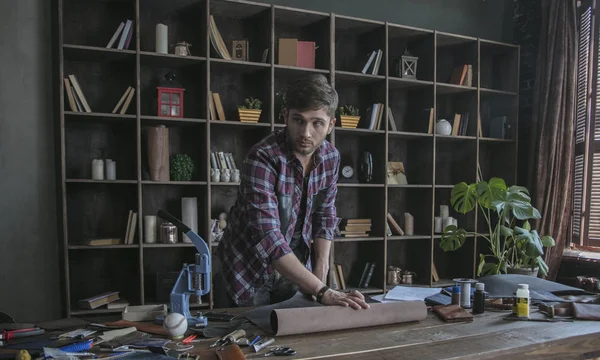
321, 292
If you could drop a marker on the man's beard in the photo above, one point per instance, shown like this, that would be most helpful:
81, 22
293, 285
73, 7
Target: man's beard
307, 149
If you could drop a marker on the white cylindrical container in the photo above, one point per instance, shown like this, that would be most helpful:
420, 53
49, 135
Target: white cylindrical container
162, 39
110, 170
97, 169
409, 224
189, 215
523, 301
446, 222
444, 211
437, 224
150, 229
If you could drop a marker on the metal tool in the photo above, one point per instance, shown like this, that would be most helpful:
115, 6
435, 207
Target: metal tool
278, 351
262, 343
193, 278
465, 291
230, 338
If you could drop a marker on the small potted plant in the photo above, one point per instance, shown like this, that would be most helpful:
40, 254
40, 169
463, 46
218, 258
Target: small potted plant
250, 110
349, 117
181, 167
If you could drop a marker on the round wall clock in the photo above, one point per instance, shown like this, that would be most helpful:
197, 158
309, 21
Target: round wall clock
347, 172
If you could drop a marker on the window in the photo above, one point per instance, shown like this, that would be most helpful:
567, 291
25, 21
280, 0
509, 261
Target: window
586, 194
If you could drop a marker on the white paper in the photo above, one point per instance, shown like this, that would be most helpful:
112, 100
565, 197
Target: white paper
410, 293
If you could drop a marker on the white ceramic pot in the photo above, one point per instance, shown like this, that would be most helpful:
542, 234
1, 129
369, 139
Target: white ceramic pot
443, 127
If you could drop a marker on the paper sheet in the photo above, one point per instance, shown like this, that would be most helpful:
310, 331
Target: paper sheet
410, 293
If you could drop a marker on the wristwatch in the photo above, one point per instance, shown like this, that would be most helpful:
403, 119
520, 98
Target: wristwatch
321, 293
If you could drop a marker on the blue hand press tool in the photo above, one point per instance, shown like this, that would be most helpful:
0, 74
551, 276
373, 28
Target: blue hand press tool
193, 278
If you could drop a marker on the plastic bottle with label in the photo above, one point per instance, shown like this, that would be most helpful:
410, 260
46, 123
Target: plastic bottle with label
479, 299
523, 301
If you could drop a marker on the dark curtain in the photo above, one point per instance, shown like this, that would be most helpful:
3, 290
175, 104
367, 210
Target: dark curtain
552, 129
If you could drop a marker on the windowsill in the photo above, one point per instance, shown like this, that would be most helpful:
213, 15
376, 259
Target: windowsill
580, 253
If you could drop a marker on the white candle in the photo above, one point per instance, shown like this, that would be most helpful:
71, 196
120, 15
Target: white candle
189, 215
150, 229
446, 222
162, 39
408, 224
437, 224
444, 211
97, 169
110, 170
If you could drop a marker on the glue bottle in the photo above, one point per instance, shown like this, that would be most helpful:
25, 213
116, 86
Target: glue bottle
479, 299
456, 295
523, 301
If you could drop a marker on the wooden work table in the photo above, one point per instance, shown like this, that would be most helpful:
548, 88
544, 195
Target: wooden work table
487, 337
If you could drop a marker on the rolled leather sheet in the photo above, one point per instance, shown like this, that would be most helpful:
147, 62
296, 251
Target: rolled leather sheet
327, 318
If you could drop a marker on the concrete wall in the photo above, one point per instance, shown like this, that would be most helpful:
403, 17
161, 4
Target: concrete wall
29, 271
29, 255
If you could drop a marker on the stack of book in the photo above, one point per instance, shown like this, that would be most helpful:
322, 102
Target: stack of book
355, 227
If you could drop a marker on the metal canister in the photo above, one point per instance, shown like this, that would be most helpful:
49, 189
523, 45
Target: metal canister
168, 233
393, 275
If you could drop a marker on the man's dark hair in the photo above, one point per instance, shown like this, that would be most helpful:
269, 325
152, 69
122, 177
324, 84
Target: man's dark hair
312, 92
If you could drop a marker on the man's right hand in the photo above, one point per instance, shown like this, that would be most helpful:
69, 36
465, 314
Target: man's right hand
354, 299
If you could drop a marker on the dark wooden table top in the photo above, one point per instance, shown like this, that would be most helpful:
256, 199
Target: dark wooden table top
487, 337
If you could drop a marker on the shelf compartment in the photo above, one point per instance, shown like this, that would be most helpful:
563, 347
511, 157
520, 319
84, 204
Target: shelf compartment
465, 104
499, 116
91, 181
241, 20
408, 237
410, 256
353, 147
454, 51
355, 41
187, 140
498, 67
357, 78
417, 202
94, 23
169, 199
189, 75
353, 257
354, 239
304, 25
411, 110
444, 89
161, 270
362, 96
95, 272
362, 203
419, 43
235, 84
490, 167
455, 161
416, 154
185, 19
85, 142
168, 121
464, 221
99, 210
102, 83
222, 198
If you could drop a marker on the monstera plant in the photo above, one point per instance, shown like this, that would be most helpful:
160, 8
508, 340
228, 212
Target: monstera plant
513, 244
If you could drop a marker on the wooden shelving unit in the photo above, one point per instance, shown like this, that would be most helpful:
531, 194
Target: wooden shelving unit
433, 162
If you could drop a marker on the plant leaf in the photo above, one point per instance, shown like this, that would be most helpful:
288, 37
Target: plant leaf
452, 238
542, 265
464, 197
527, 226
529, 242
506, 231
495, 190
548, 241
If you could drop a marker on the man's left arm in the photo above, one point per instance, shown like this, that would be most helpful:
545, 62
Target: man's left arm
325, 221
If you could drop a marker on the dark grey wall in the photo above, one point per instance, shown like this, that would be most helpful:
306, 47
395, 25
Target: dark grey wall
488, 19
29, 272
29, 267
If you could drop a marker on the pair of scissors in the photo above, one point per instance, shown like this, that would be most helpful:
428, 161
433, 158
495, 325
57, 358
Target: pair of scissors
280, 351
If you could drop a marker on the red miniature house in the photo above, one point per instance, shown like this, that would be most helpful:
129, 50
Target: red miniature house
170, 98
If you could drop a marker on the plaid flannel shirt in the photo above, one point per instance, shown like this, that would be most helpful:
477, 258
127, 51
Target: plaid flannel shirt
254, 236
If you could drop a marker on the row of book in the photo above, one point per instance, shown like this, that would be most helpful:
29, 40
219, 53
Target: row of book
216, 107
372, 65
125, 29
128, 238
462, 75
338, 280
76, 98
220, 160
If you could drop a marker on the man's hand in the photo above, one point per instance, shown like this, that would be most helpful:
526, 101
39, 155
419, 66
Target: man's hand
354, 299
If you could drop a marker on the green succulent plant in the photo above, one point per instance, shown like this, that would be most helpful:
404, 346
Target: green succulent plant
348, 110
251, 103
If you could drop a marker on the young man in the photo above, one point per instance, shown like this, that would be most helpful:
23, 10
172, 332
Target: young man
286, 200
